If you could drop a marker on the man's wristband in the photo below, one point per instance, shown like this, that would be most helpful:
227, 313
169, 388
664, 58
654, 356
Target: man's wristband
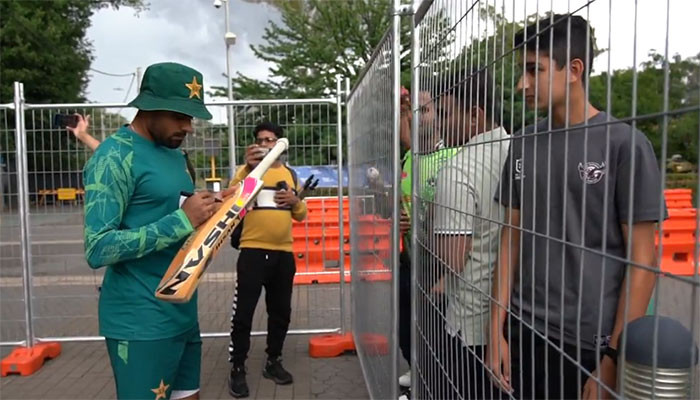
610, 352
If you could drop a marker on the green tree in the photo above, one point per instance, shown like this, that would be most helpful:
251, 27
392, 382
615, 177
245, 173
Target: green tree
316, 41
682, 123
44, 46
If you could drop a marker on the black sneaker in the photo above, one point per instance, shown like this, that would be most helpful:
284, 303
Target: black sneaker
237, 386
274, 370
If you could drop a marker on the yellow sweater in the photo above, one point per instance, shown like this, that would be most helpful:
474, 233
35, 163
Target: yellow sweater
266, 226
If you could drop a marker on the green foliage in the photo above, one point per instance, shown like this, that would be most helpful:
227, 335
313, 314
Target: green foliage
44, 46
316, 41
682, 125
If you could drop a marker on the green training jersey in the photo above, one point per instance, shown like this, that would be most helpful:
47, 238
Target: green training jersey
430, 164
133, 227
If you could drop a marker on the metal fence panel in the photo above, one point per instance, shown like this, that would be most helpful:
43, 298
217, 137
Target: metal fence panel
12, 305
373, 170
65, 290
579, 181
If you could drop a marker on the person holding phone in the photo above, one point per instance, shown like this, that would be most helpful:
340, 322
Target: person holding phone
266, 260
80, 131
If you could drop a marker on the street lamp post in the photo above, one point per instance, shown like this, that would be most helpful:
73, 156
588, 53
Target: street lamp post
230, 40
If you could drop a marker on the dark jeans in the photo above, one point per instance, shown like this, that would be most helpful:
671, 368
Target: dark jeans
275, 271
532, 378
405, 323
464, 375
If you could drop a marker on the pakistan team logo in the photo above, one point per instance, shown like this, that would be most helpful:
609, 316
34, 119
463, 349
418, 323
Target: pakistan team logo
591, 172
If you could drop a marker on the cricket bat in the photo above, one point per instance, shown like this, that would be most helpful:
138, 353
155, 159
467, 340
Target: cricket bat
182, 277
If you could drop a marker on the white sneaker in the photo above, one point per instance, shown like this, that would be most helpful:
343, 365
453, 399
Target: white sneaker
405, 379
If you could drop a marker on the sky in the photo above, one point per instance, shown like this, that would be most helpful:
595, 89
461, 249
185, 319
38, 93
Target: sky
612, 21
191, 32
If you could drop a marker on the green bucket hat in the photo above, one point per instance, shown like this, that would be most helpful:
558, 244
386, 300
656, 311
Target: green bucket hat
172, 87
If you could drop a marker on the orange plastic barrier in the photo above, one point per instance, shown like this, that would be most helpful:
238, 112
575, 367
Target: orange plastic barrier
331, 345
317, 243
679, 198
27, 360
679, 238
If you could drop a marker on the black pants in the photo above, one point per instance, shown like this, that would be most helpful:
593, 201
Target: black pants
405, 307
463, 375
275, 271
561, 380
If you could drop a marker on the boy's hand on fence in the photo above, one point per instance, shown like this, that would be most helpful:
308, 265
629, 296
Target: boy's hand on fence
498, 361
439, 287
606, 374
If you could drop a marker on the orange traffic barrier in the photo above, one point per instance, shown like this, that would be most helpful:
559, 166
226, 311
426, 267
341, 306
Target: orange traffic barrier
331, 345
679, 239
27, 360
678, 198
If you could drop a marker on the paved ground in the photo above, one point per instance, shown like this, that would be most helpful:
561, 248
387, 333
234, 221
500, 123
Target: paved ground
83, 372
65, 293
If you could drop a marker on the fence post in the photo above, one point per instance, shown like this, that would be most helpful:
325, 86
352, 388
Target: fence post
341, 230
396, 192
415, 126
23, 202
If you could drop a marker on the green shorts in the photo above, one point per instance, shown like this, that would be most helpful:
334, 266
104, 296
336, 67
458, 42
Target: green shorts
153, 369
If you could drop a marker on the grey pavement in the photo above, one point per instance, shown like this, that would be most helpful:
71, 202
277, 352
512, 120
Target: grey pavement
65, 293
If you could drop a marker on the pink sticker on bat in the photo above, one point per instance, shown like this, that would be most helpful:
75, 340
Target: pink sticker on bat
249, 185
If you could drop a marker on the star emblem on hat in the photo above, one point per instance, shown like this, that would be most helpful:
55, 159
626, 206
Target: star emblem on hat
160, 391
194, 87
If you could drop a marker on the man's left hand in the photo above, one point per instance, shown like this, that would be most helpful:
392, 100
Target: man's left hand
286, 198
607, 373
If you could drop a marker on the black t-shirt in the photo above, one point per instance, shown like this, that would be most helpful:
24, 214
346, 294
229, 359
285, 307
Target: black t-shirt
573, 192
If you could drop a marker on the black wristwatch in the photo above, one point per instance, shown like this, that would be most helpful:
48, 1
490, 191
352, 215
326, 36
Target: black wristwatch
610, 352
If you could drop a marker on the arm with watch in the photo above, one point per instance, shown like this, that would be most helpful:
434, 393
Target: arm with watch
641, 285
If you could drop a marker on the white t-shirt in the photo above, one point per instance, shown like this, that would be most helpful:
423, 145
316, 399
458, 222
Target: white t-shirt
464, 205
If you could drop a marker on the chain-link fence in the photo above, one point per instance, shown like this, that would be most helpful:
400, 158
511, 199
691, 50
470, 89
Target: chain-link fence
64, 290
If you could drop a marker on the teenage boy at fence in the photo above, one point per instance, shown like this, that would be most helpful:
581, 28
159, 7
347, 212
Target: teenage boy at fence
562, 268
266, 260
433, 155
467, 226
134, 225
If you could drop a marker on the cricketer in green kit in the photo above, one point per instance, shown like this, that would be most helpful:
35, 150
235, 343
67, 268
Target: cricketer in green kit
135, 221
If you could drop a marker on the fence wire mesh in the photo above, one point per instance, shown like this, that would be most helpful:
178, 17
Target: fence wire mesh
12, 303
372, 173
65, 290
542, 218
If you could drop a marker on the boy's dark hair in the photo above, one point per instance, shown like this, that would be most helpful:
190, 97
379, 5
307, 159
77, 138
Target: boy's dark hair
268, 126
477, 86
558, 27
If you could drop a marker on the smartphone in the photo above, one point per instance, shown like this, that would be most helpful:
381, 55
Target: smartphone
65, 120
